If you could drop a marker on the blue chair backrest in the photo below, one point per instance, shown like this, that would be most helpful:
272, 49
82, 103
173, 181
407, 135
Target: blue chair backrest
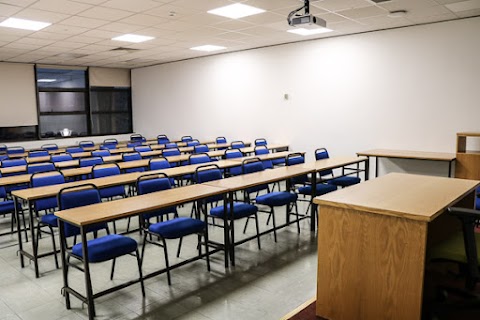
252, 166
50, 146
193, 143
153, 184
143, 148
221, 140
199, 158
260, 142
238, 145
110, 141
131, 156
259, 150
105, 171
38, 153
90, 162
74, 149
107, 146
293, 159
61, 157
100, 153
162, 139
159, 163
80, 197
15, 150
207, 173
86, 144
41, 180
187, 138
320, 154
40, 167
14, 163
3, 148
171, 145
201, 148
137, 138
233, 153
3, 192
171, 152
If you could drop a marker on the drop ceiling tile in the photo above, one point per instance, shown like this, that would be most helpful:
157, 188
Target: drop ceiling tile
464, 5
204, 18
8, 10
384, 22
429, 19
101, 34
64, 6
233, 25
364, 12
95, 48
105, 13
273, 5
407, 4
173, 12
48, 35
36, 42
285, 11
84, 39
468, 13
157, 32
421, 13
70, 44
129, 5
144, 20
9, 37
84, 22
335, 5
266, 17
41, 15
20, 46
178, 26
64, 29
121, 27
203, 5
94, 2
20, 3
263, 31
233, 36
448, 1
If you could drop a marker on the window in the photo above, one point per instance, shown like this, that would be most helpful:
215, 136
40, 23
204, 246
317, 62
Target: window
111, 110
67, 107
62, 102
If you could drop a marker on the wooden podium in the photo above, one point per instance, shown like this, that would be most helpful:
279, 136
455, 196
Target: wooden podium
468, 161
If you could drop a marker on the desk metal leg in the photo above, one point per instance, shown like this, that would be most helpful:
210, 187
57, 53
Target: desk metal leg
19, 233
376, 167
226, 236
230, 224
367, 168
88, 281
63, 246
312, 205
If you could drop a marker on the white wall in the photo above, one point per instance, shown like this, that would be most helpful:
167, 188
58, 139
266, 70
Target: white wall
410, 88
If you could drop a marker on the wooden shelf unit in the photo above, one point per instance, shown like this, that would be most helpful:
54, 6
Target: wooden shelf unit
468, 161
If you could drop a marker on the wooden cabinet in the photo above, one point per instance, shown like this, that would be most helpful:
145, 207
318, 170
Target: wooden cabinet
468, 155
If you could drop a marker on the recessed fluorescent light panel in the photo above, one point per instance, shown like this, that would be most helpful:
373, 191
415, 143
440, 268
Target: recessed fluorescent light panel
46, 80
208, 48
309, 32
236, 11
133, 38
24, 24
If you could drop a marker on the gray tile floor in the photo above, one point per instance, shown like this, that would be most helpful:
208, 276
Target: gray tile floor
265, 284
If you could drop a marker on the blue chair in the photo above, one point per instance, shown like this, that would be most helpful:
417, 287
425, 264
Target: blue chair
50, 147
38, 153
101, 249
142, 149
101, 153
192, 143
240, 210
260, 142
48, 220
232, 154
270, 199
136, 137
89, 162
134, 144
15, 150
86, 144
201, 148
186, 138
259, 150
171, 152
74, 150
107, 170
110, 142
237, 145
158, 164
132, 156
162, 139
344, 181
108, 146
61, 157
13, 163
220, 140
3, 148
175, 228
40, 167
8, 207
305, 187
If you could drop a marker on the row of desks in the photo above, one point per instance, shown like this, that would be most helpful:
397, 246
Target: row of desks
32, 194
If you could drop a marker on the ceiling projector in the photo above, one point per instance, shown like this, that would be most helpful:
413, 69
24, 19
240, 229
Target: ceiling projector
307, 19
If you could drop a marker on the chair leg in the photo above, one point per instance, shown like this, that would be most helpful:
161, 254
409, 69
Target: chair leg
179, 247
167, 264
272, 214
139, 262
246, 224
143, 247
113, 269
258, 231
54, 247
207, 252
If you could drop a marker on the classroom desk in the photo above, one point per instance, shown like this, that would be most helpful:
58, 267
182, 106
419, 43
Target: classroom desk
127, 207
267, 156
32, 194
244, 181
372, 241
276, 147
411, 155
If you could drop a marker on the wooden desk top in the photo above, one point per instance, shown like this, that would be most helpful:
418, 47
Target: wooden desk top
406, 154
469, 134
268, 156
332, 163
257, 178
410, 196
269, 147
107, 211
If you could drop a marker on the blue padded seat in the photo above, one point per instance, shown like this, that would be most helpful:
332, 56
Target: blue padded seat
322, 188
177, 228
49, 219
106, 248
8, 206
240, 210
344, 181
274, 199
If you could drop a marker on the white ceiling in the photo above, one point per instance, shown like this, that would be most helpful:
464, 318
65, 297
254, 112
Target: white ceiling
81, 30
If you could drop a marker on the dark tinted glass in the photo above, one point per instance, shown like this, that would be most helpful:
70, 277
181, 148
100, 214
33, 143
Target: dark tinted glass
63, 125
62, 101
59, 78
110, 100
111, 123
